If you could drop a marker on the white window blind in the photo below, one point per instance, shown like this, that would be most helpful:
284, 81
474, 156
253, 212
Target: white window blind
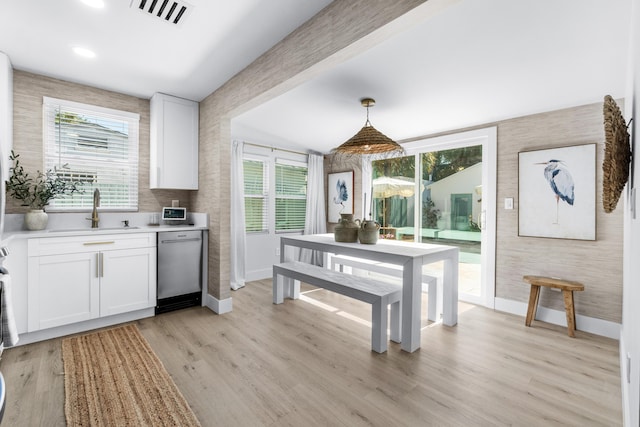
291, 196
255, 195
100, 146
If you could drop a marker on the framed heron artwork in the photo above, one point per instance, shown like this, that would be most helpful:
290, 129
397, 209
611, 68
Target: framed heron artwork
340, 195
557, 192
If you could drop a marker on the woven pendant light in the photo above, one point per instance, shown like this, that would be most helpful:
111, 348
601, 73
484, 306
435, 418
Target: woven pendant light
368, 140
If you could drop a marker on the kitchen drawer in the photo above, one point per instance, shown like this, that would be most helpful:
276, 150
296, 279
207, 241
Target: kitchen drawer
99, 242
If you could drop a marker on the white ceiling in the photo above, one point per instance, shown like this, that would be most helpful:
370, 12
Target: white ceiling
477, 62
138, 54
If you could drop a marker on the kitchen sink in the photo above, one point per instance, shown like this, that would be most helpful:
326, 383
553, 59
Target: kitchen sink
67, 230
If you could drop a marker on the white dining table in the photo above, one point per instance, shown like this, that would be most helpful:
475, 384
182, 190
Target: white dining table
410, 255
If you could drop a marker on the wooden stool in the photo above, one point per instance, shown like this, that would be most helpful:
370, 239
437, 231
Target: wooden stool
567, 287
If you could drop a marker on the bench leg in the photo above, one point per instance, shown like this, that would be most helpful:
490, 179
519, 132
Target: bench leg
395, 322
533, 304
379, 326
334, 263
291, 288
295, 289
571, 313
278, 292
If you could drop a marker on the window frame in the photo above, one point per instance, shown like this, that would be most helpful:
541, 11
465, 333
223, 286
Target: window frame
265, 190
82, 161
270, 156
292, 163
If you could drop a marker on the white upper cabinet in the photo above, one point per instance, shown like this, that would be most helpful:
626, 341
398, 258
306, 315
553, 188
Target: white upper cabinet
174, 143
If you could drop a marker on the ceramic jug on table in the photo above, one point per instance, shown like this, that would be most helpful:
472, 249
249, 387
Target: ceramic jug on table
347, 229
368, 232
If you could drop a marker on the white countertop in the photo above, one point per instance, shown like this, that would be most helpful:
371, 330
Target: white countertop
25, 234
61, 225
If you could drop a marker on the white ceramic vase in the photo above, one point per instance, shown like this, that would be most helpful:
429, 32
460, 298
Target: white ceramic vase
36, 219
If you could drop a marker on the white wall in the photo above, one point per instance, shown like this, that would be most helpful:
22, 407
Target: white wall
629, 336
6, 110
6, 128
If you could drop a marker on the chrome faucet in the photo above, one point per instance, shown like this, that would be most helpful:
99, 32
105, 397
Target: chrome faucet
94, 214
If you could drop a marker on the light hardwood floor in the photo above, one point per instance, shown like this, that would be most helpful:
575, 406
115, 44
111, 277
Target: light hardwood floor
308, 362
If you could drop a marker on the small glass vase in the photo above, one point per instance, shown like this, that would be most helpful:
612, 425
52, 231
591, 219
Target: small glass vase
36, 219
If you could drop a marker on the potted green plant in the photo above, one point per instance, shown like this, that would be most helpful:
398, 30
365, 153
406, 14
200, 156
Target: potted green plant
36, 192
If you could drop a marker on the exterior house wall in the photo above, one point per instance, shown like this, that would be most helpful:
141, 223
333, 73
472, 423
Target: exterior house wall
463, 182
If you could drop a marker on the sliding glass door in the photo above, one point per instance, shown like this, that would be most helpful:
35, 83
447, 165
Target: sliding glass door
452, 198
443, 192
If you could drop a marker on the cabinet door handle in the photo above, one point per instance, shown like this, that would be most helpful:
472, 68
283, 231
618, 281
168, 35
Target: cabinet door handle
98, 243
97, 264
101, 264
195, 239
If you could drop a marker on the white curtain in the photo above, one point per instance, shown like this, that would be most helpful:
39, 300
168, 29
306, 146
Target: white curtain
238, 235
367, 189
315, 220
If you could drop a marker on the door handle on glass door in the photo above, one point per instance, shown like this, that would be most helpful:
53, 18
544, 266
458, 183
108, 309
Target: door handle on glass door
482, 220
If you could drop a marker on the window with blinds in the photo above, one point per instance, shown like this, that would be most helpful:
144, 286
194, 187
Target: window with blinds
255, 195
291, 196
99, 146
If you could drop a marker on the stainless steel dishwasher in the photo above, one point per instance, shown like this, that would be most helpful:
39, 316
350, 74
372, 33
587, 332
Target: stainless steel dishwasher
179, 270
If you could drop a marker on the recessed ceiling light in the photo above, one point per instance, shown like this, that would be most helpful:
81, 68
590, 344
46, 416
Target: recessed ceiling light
84, 52
98, 4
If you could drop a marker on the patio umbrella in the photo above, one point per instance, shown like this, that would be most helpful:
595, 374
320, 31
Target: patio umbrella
386, 186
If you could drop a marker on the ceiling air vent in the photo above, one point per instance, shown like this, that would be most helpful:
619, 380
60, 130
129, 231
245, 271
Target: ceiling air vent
171, 11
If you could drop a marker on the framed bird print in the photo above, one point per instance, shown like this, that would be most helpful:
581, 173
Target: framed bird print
340, 195
557, 192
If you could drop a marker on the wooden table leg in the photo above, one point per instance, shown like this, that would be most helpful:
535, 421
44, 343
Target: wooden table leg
533, 304
571, 313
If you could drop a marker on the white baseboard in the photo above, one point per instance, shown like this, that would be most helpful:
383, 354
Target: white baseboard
265, 273
592, 325
74, 328
219, 306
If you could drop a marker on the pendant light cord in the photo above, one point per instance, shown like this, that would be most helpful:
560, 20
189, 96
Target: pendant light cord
367, 122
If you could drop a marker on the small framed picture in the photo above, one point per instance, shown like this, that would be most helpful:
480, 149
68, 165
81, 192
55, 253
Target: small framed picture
339, 195
557, 193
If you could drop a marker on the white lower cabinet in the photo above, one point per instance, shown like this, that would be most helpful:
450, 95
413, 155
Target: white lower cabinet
65, 290
128, 280
73, 279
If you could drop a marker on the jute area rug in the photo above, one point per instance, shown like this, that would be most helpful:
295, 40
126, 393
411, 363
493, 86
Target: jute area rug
113, 378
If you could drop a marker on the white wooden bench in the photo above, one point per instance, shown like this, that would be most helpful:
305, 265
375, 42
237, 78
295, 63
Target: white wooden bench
430, 284
378, 294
